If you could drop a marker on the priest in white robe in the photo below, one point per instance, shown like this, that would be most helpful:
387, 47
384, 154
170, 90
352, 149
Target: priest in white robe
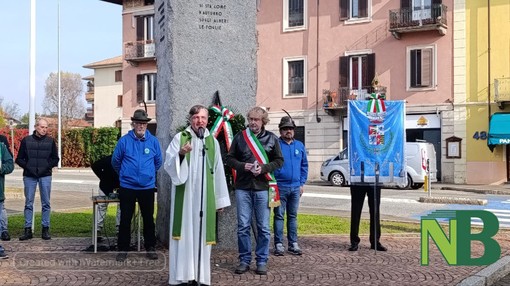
193, 188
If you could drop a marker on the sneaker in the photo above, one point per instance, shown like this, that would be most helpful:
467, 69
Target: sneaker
3, 255
279, 250
261, 269
242, 268
294, 249
5, 236
151, 253
121, 257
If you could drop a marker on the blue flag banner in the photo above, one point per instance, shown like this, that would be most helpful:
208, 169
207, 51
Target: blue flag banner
377, 141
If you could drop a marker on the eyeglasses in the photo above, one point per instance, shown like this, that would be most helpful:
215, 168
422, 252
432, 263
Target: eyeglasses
287, 128
140, 123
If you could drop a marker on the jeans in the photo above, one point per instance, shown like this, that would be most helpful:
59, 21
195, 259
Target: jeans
3, 218
44, 191
101, 213
289, 199
248, 203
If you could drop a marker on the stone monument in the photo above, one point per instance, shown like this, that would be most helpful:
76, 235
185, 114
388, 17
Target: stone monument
202, 46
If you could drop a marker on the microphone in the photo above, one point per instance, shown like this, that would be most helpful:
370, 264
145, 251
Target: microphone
201, 132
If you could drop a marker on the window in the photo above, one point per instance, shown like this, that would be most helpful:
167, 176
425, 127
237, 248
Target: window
118, 75
145, 28
294, 76
421, 67
356, 74
119, 100
421, 9
146, 87
294, 15
355, 10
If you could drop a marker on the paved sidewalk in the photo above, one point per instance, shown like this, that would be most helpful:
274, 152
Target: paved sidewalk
325, 261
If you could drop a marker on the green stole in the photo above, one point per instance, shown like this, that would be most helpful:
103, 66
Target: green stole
210, 227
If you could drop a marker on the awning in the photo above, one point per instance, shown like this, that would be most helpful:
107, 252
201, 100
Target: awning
499, 129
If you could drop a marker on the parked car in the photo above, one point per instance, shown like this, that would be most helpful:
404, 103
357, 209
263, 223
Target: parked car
336, 169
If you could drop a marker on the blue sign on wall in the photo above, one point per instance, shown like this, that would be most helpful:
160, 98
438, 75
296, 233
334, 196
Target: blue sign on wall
376, 139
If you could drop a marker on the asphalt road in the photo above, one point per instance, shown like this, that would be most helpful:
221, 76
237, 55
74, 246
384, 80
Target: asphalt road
72, 189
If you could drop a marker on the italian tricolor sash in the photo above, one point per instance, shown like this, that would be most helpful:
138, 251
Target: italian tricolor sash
261, 156
210, 224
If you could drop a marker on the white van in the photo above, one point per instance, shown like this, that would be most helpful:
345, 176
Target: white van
418, 154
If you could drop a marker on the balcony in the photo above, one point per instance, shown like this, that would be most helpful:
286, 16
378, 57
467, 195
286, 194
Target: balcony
89, 96
90, 113
409, 21
139, 51
337, 99
502, 91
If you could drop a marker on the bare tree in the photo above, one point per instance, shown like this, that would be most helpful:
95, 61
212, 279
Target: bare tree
72, 101
12, 109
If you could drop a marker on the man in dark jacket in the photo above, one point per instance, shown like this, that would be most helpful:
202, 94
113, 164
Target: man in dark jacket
37, 156
108, 182
6, 167
255, 154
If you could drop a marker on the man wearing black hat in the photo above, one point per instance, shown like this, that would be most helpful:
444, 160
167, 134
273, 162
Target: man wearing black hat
137, 158
290, 178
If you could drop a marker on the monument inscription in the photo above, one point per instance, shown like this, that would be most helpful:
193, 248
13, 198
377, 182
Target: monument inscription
212, 16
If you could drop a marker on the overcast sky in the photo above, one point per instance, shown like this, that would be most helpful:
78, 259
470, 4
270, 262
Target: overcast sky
90, 31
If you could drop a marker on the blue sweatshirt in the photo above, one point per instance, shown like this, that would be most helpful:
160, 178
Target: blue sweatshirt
137, 161
294, 171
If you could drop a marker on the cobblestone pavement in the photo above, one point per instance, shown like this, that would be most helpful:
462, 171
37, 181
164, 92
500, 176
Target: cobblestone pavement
325, 261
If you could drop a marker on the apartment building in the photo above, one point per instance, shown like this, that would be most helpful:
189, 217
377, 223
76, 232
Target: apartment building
315, 55
139, 62
104, 93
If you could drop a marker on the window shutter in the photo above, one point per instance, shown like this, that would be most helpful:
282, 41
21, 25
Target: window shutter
140, 28
155, 87
139, 87
437, 1
370, 70
344, 9
405, 4
426, 67
413, 68
344, 71
363, 8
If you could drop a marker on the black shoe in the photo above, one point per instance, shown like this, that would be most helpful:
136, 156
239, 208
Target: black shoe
121, 257
242, 268
5, 236
45, 233
27, 235
354, 247
261, 269
151, 253
379, 247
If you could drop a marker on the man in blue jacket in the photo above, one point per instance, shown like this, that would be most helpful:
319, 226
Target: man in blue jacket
290, 179
137, 158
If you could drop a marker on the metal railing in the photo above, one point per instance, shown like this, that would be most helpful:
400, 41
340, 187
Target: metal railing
139, 50
407, 18
337, 99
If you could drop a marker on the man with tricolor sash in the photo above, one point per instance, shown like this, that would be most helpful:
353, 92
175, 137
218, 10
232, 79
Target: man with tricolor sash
199, 189
255, 154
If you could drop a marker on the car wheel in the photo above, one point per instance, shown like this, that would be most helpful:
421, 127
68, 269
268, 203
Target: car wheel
417, 186
337, 179
409, 182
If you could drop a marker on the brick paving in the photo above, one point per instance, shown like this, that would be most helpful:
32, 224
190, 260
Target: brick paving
325, 261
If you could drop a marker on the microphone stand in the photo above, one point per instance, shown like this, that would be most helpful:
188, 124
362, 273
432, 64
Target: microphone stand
201, 210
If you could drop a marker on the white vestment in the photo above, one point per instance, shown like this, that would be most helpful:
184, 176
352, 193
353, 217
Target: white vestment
184, 252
